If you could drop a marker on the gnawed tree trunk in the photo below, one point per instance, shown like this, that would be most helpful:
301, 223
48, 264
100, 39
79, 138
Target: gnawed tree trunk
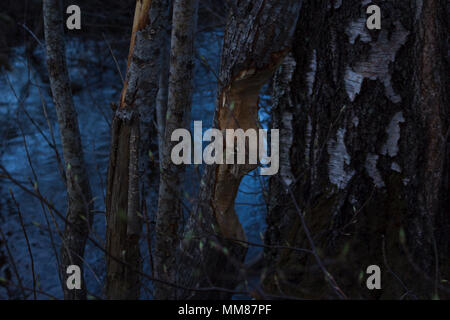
365, 121
257, 38
79, 194
184, 24
132, 133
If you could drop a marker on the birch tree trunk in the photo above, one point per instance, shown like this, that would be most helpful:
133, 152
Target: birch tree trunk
132, 134
79, 194
184, 23
258, 36
364, 118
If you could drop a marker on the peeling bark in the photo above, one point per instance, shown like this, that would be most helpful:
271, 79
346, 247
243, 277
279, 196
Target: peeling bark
79, 194
257, 38
369, 156
132, 134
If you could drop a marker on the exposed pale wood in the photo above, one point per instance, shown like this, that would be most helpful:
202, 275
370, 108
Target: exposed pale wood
258, 36
132, 135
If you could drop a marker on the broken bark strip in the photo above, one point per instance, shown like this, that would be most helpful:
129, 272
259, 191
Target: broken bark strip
129, 165
178, 116
257, 38
79, 193
139, 22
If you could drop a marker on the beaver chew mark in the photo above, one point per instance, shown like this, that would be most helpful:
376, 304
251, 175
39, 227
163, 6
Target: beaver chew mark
238, 109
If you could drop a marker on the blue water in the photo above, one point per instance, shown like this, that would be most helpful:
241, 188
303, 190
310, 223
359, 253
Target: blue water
93, 70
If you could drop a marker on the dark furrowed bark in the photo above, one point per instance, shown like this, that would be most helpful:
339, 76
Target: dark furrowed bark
180, 92
369, 162
132, 136
258, 36
162, 100
78, 189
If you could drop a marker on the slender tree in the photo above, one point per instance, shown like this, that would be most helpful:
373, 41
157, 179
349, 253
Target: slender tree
132, 133
258, 36
162, 99
184, 23
365, 143
79, 194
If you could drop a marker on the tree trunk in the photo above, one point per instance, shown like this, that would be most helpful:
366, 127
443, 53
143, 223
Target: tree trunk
132, 134
184, 23
162, 101
257, 38
162, 98
364, 119
78, 189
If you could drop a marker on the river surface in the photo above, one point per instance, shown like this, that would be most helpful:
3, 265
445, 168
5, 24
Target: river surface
26, 154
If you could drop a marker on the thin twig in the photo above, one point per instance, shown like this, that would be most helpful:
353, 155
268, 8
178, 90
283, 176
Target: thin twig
27, 241
23, 25
12, 262
328, 276
114, 57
